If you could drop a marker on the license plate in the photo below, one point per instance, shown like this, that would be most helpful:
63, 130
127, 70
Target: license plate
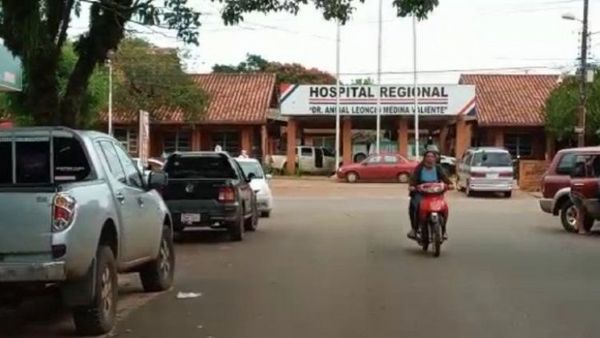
190, 218
496, 175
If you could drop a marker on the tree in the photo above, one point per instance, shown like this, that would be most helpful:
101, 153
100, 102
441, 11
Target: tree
562, 105
36, 31
286, 72
151, 78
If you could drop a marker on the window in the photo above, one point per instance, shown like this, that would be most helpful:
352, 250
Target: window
492, 159
199, 167
328, 153
306, 152
566, 164
252, 168
180, 140
390, 159
519, 145
128, 138
112, 161
229, 141
374, 159
33, 160
134, 177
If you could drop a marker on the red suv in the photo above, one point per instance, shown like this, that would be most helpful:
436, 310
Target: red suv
556, 185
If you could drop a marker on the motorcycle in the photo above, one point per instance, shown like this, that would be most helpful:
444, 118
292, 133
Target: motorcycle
433, 214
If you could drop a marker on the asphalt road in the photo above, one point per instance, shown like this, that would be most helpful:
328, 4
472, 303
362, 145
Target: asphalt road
333, 261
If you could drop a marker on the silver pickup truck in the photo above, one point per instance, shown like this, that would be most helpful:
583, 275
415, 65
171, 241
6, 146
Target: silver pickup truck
75, 211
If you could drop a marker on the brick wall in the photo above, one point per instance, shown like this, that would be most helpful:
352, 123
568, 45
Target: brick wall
530, 174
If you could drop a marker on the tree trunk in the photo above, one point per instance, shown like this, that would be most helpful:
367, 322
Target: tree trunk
42, 90
74, 96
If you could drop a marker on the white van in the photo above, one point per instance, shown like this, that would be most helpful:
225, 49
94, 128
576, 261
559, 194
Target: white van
486, 170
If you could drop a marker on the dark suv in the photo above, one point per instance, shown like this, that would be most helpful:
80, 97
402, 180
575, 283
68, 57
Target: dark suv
209, 189
556, 186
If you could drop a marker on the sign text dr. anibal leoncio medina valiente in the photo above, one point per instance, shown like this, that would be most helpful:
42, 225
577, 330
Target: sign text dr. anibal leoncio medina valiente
363, 100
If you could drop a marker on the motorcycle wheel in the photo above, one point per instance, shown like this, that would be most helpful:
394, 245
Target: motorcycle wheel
437, 239
424, 238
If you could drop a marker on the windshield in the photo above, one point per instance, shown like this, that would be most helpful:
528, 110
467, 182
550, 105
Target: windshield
199, 167
492, 160
252, 168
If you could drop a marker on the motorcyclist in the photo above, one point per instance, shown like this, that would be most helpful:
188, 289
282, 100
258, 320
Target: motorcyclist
428, 171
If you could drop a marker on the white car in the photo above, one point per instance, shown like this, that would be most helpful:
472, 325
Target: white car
260, 184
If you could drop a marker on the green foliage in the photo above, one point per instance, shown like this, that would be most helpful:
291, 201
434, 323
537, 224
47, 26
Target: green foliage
150, 78
562, 107
36, 31
286, 73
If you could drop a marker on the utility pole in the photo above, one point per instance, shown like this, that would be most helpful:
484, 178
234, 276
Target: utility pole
583, 77
378, 114
337, 97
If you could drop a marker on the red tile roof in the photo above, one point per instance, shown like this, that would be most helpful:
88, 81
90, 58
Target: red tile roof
233, 99
511, 100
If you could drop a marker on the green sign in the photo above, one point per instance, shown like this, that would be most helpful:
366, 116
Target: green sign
11, 74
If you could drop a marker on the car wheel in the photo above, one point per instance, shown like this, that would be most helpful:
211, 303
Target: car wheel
251, 223
99, 316
265, 214
236, 229
507, 194
403, 177
568, 216
352, 177
158, 275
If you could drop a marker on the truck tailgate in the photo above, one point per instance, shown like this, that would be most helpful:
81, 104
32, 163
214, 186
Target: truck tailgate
193, 189
25, 224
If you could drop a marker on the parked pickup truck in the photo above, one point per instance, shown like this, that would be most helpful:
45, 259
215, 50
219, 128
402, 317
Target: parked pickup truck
74, 211
312, 160
209, 189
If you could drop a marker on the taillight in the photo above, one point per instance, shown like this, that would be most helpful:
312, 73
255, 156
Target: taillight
63, 212
506, 174
477, 174
226, 195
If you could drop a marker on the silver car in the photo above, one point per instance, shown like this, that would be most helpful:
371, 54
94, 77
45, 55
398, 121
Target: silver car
486, 170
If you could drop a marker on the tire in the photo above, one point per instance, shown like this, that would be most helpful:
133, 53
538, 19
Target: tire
508, 194
236, 229
265, 214
99, 316
425, 238
158, 275
568, 216
403, 177
251, 224
352, 177
437, 240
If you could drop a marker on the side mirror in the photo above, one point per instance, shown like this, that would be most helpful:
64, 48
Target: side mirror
157, 180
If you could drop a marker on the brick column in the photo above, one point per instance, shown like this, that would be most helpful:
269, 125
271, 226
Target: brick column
444, 140
292, 131
403, 137
246, 139
196, 139
264, 141
498, 138
347, 141
463, 137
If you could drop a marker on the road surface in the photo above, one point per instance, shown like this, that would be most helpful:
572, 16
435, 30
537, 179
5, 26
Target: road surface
333, 261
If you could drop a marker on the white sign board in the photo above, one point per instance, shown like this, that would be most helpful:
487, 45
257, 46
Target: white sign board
361, 100
144, 137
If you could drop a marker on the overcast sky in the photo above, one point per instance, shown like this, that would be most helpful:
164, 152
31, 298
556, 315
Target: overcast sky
459, 35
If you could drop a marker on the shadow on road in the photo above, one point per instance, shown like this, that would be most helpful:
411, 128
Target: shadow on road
196, 236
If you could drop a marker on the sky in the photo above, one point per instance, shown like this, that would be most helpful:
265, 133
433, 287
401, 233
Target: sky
460, 36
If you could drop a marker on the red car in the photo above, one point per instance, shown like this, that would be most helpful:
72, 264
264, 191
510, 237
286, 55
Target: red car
385, 167
557, 185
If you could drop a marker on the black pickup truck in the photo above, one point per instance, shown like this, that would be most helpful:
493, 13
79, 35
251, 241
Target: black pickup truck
209, 189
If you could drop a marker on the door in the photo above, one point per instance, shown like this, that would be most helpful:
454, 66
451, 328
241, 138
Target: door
390, 168
371, 168
463, 168
319, 158
584, 182
128, 203
245, 189
306, 160
559, 177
